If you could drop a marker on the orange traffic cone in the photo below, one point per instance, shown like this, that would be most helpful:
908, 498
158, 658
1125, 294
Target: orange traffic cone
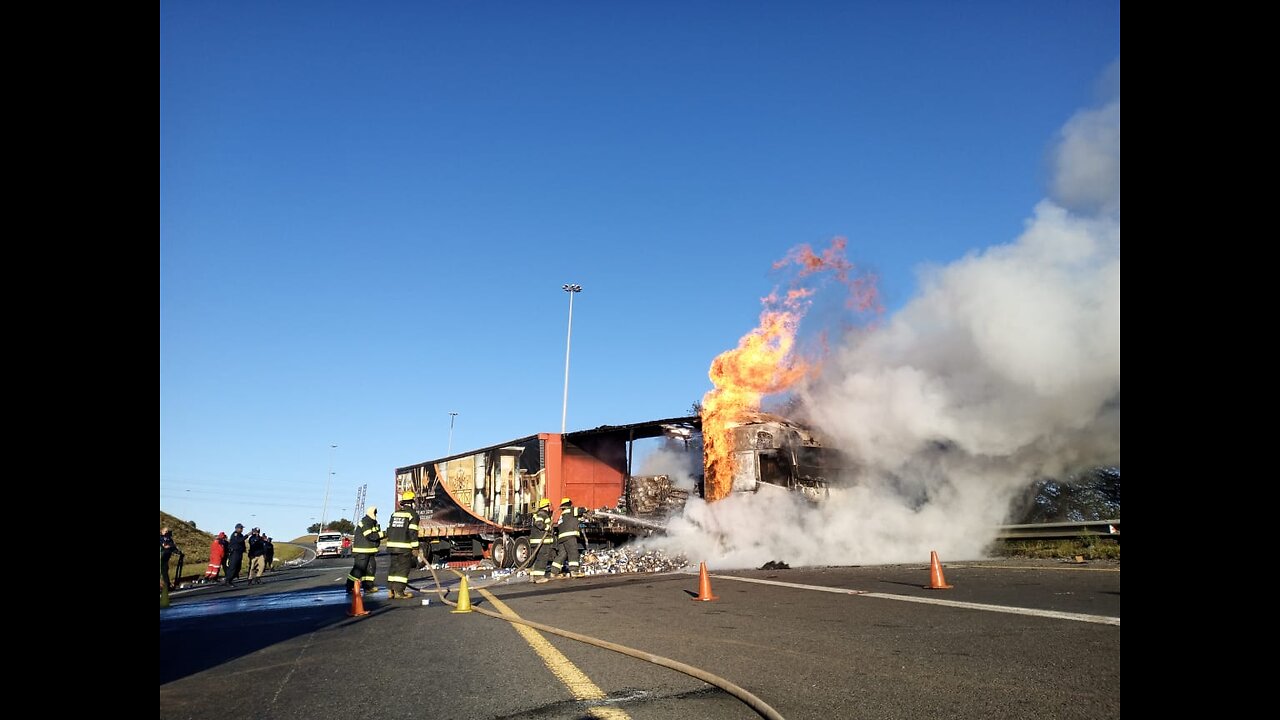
357, 602
704, 584
936, 581
464, 597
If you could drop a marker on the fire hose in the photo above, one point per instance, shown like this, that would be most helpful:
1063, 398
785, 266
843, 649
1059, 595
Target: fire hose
751, 700
532, 554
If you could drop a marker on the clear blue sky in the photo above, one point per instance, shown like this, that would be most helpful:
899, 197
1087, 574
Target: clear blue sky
367, 212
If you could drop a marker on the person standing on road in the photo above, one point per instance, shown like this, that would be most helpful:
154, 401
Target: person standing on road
346, 546
217, 554
567, 532
235, 554
168, 548
226, 551
402, 542
268, 551
542, 541
256, 560
368, 537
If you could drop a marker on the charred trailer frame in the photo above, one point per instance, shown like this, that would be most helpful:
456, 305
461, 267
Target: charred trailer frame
480, 503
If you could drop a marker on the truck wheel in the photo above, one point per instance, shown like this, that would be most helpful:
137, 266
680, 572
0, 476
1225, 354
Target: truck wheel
500, 553
520, 551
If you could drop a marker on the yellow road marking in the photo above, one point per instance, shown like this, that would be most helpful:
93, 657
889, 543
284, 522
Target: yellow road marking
574, 679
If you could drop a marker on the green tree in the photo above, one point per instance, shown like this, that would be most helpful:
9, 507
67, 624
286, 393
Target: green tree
341, 525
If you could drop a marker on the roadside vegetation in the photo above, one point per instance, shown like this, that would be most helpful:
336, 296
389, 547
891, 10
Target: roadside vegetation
1089, 547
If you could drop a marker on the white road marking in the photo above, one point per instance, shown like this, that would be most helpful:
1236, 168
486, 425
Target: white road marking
1078, 617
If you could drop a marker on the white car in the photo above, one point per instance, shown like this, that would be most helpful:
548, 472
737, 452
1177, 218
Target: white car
329, 544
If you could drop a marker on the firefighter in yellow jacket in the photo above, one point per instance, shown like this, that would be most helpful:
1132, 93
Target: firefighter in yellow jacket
402, 542
567, 532
364, 549
542, 541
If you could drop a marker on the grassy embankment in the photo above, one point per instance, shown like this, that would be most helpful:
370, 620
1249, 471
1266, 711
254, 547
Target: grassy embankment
195, 546
1089, 547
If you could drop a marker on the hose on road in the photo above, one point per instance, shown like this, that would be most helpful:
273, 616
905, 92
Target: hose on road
751, 700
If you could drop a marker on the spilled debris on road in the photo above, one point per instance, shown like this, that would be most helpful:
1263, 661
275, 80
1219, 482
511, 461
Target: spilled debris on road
609, 561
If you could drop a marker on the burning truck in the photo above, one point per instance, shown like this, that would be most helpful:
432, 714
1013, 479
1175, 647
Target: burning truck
480, 503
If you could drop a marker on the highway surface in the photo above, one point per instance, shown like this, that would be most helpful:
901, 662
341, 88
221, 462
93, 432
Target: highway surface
1012, 639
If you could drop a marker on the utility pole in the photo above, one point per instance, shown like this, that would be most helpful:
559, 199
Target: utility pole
324, 509
359, 512
572, 289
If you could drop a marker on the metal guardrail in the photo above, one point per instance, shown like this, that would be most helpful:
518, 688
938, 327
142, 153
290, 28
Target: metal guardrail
1060, 530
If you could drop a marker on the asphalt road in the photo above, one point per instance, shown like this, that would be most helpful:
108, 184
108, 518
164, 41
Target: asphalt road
287, 649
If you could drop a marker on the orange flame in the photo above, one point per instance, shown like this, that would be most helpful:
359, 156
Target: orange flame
765, 361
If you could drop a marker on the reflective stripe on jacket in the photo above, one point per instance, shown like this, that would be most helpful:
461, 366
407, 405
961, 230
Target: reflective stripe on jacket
368, 536
402, 530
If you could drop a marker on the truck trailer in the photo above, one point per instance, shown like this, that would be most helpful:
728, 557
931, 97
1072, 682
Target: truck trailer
480, 503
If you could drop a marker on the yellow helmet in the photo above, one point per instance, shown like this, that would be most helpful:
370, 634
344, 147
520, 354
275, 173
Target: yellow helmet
565, 501
544, 502
406, 496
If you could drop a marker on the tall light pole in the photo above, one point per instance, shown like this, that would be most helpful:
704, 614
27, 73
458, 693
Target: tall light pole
324, 509
452, 415
572, 289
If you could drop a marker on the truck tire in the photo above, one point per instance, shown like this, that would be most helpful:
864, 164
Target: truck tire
500, 553
520, 552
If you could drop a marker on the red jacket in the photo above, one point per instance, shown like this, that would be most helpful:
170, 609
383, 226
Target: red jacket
216, 550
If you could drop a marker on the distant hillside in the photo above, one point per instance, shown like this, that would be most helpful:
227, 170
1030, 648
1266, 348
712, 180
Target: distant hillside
192, 542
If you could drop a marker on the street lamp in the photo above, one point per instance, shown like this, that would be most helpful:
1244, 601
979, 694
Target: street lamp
328, 479
572, 289
452, 415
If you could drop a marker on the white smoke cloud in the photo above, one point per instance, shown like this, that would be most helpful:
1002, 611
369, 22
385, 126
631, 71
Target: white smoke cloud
1004, 368
1087, 158
679, 464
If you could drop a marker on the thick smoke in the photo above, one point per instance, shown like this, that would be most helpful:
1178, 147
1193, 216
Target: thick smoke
677, 463
1003, 369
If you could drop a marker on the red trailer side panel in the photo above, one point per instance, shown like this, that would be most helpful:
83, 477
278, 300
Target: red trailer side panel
593, 481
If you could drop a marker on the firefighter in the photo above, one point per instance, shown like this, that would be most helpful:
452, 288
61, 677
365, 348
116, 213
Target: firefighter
542, 541
402, 543
368, 537
566, 562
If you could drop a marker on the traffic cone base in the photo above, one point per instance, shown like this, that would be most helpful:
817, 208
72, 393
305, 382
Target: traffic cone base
464, 597
357, 603
936, 581
704, 584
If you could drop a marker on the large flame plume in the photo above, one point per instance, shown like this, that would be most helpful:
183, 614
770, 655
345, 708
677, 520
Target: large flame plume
766, 360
